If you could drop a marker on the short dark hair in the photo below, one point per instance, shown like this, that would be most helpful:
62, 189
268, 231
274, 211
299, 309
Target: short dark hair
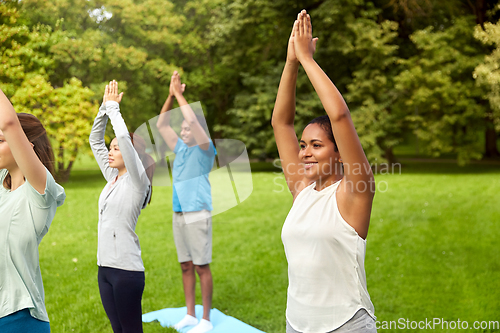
202, 121
326, 125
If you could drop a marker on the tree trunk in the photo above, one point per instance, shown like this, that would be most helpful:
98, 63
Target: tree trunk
389, 155
62, 175
480, 12
490, 148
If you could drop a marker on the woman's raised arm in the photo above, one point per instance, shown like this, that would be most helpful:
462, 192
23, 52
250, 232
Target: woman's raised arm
356, 166
22, 150
357, 189
163, 122
283, 120
131, 158
98, 145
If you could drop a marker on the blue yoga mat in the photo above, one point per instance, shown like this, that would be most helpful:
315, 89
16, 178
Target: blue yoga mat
222, 323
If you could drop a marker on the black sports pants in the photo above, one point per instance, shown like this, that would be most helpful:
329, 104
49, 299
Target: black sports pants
121, 295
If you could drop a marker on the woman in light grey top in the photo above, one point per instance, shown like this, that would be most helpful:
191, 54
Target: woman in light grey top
128, 170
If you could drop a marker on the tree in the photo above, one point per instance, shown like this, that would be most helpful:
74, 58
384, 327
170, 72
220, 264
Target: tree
371, 94
355, 50
487, 75
395, 61
66, 112
445, 107
132, 42
234, 40
23, 51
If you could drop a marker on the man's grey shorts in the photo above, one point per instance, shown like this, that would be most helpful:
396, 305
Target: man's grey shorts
193, 236
362, 322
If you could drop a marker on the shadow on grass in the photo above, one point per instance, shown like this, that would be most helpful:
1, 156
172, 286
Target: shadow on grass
410, 166
91, 178
263, 167
415, 166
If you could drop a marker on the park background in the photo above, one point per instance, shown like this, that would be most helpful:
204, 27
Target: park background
420, 77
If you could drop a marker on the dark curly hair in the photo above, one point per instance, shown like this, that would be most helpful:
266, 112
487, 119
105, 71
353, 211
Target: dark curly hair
326, 125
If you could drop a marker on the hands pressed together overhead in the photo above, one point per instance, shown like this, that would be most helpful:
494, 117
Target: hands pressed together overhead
176, 87
301, 45
111, 92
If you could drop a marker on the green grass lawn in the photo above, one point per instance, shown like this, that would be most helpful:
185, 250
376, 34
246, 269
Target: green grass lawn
432, 251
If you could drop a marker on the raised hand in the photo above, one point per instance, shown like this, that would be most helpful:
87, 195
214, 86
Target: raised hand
290, 54
111, 92
176, 87
171, 87
304, 44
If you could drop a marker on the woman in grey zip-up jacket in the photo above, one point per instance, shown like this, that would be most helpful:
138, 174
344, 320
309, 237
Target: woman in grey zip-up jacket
128, 191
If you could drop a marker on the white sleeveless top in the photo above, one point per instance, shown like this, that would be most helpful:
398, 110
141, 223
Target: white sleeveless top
327, 281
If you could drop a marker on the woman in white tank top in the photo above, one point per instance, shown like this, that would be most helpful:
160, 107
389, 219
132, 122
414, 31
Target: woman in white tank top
333, 187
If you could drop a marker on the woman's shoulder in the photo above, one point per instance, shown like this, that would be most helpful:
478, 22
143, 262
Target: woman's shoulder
53, 192
129, 183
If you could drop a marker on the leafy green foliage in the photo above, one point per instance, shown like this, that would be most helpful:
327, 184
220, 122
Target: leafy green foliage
404, 67
23, 51
487, 72
371, 94
445, 108
359, 56
66, 113
122, 40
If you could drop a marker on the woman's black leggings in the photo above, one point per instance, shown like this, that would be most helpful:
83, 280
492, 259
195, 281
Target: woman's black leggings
121, 294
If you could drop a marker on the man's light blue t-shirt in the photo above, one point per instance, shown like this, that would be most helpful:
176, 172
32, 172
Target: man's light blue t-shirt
192, 166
